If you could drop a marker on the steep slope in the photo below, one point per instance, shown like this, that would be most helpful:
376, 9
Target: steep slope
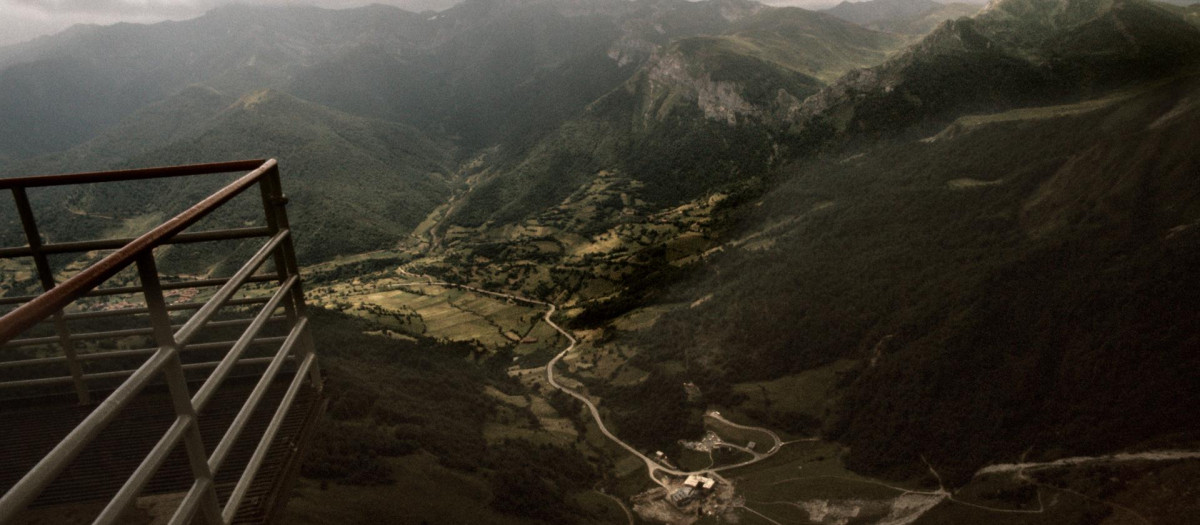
876, 11
507, 72
910, 17
1010, 281
356, 183
503, 75
1020, 284
927, 21
703, 112
483, 71
1015, 52
63, 89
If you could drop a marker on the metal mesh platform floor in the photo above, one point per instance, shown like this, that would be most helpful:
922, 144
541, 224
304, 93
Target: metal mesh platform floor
30, 428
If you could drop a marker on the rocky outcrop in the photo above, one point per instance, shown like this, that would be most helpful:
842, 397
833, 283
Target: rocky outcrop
672, 77
718, 100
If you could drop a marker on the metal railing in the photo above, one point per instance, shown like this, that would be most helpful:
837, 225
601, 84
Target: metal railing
162, 360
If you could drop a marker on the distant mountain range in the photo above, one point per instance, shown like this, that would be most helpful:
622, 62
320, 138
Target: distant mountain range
467, 78
332, 159
723, 100
912, 17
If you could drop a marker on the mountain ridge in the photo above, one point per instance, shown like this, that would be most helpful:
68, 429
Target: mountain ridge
329, 154
1013, 59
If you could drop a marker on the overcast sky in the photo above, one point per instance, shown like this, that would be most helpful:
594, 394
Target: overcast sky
22, 20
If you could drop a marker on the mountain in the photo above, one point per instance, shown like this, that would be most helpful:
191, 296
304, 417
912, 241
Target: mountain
765, 79
1190, 13
910, 17
488, 80
1016, 284
702, 112
508, 72
875, 11
1007, 270
482, 71
929, 20
63, 89
329, 158
1015, 52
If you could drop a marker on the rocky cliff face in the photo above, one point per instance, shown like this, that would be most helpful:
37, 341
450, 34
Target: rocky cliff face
669, 75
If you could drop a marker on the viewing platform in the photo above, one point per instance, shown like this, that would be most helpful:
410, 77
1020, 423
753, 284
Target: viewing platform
130, 394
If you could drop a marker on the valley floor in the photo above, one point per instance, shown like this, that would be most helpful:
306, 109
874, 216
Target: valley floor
794, 480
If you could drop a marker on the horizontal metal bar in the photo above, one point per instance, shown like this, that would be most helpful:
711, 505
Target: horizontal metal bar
84, 336
224, 294
16, 299
16, 251
141, 351
32, 341
243, 322
127, 290
218, 345
36, 361
114, 244
64, 379
137, 174
228, 344
203, 394
57, 298
182, 238
177, 285
239, 421
115, 354
231, 302
130, 332
43, 381
122, 373
34, 481
146, 470
100, 314
264, 444
124, 312
240, 362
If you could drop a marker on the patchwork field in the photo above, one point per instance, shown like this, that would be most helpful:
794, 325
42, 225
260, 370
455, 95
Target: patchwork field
442, 313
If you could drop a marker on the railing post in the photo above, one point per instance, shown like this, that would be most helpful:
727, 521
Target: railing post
275, 208
177, 384
46, 276
271, 194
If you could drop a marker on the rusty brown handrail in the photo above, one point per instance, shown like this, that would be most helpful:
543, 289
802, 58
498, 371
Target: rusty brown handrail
162, 172
55, 299
201, 501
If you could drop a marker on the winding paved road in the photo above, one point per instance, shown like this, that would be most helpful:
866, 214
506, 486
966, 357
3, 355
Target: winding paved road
652, 467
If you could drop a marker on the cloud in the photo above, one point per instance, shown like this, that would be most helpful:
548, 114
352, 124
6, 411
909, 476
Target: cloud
159, 8
108, 8
22, 20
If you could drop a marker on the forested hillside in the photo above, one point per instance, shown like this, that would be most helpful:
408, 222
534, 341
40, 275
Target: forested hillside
703, 113
329, 158
997, 305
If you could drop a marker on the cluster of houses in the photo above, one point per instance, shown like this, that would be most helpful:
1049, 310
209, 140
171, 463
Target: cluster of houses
694, 487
